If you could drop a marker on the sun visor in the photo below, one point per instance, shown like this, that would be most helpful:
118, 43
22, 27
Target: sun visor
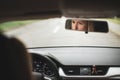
90, 8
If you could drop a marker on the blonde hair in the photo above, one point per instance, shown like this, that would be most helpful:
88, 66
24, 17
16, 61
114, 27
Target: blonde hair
90, 26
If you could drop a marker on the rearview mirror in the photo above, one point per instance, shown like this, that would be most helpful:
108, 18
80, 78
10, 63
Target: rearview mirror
87, 25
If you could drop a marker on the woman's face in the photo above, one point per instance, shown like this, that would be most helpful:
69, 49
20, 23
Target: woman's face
79, 25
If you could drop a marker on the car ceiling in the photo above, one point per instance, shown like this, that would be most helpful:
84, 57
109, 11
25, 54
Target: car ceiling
56, 8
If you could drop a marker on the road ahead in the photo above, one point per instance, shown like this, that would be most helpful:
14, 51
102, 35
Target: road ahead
52, 32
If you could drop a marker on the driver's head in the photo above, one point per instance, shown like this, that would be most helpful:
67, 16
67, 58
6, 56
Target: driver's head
15, 60
80, 25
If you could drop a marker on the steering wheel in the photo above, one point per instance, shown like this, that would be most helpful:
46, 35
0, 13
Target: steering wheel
46, 69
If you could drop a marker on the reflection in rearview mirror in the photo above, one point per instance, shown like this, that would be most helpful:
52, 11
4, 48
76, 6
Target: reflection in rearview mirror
87, 25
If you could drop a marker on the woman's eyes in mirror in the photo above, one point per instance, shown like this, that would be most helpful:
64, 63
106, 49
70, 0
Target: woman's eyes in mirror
80, 23
73, 21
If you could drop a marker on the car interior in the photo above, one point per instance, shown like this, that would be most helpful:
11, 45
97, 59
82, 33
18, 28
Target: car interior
62, 62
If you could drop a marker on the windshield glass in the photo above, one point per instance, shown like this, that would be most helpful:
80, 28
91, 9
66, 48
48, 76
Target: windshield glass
51, 33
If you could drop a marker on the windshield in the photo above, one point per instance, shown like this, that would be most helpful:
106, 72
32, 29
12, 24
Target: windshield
51, 33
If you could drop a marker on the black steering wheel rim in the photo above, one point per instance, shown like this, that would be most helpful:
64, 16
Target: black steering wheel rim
47, 60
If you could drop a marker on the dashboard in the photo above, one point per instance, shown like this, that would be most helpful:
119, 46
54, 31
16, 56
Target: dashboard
77, 63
